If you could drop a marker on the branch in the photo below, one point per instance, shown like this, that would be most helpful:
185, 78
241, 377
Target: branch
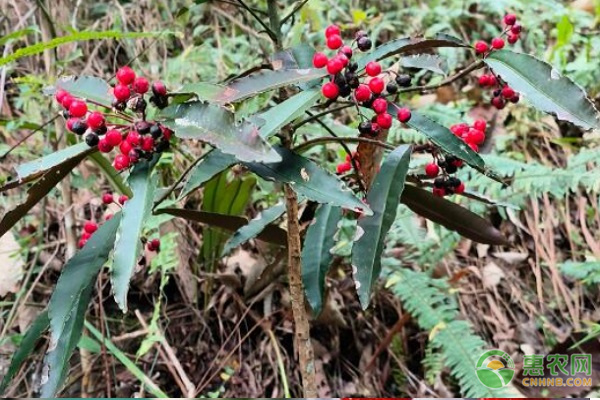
474, 66
294, 11
342, 140
260, 21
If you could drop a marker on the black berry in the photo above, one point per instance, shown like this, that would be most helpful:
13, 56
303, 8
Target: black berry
155, 131
101, 130
119, 105
92, 139
391, 88
142, 127
365, 128
364, 43
403, 80
79, 127
352, 67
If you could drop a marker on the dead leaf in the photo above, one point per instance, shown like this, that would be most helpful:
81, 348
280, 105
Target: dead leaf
11, 264
492, 274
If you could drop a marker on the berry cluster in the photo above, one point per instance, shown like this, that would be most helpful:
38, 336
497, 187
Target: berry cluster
345, 81
502, 93
135, 139
445, 185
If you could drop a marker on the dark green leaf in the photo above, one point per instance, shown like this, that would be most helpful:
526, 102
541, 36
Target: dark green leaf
383, 198
128, 240
266, 80
34, 169
545, 88
216, 125
405, 45
309, 180
86, 87
272, 233
26, 347
429, 62
38, 191
200, 90
316, 255
282, 114
210, 165
79, 273
254, 227
452, 216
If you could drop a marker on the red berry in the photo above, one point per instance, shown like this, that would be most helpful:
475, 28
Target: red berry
480, 125
343, 167
384, 121
507, 92
484, 81
498, 43
125, 147
86, 235
493, 80
510, 19
373, 68
140, 85
516, 29
335, 66
460, 189
334, 42
362, 93
134, 138
147, 143
95, 120
167, 133
121, 162
159, 88
330, 90
153, 245
347, 51
90, 227
123, 199
121, 92
113, 137
459, 129
404, 115
512, 38
473, 147
107, 198
134, 156
125, 75
375, 129
104, 147
376, 85
81, 243
475, 136
481, 47
457, 163
66, 101
498, 102
332, 30
320, 60
439, 192
78, 108
342, 57
59, 95
71, 122
432, 170
515, 99
380, 105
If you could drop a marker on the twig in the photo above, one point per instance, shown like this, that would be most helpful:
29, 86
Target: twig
260, 21
294, 11
474, 66
313, 117
30, 134
179, 180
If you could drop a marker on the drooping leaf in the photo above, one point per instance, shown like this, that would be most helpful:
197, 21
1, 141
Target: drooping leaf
75, 37
113, 176
316, 255
56, 362
309, 180
210, 165
79, 273
429, 62
266, 80
38, 191
545, 88
383, 198
85, 87
26, 347
451, 216
254, 227
216, 125
299, 56
34, 169
271, 233
128, 239
405, 45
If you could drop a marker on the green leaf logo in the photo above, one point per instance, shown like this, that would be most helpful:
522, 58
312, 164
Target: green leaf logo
495, 369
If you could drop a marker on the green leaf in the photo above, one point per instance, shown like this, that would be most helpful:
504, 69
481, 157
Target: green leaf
383, 198
38, 191
85, 87
130, 365
262, 221
201, 90
79, 273
56, 362
316, 255
564, 30
210, 165
128, 239
34, 169
76, 37
309, 180
284, 113
545, 88
271, 234
216, 125
16, 34
26, 347
413, 45
443, 138
429, 62
451, 216
266, 80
